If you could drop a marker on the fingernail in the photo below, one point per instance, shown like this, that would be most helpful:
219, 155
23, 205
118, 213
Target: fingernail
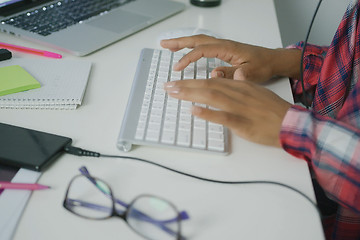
220, 74
173, 90
176, 66
169, 85
195, 110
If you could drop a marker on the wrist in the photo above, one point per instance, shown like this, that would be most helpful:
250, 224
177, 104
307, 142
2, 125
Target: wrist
286, 62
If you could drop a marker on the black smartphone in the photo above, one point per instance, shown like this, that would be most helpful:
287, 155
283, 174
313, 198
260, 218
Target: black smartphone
27, 148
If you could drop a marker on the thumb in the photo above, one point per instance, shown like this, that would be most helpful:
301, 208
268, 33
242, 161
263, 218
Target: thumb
223, 72
240, 73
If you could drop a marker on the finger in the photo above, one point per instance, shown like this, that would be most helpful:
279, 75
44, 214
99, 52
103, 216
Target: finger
215, 98
176, 44
194, 55
237, 123
237, 90
213, 83
212, 50
241, 73
247, 72
223, 72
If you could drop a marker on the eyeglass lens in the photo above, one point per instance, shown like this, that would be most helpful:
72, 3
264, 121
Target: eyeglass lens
88, 199
154, 218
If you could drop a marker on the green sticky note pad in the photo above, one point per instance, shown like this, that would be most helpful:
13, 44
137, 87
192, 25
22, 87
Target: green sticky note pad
15, 79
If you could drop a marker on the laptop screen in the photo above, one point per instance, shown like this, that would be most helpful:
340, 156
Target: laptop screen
4, 3
9, 7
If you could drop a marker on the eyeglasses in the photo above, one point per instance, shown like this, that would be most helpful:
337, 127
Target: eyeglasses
152, 217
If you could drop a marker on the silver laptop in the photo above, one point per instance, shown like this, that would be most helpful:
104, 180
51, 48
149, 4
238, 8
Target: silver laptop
81, 26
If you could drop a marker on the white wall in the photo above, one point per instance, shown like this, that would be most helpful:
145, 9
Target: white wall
294, 17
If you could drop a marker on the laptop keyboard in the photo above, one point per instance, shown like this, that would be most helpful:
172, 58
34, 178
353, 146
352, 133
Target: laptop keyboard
62, 14
153, 118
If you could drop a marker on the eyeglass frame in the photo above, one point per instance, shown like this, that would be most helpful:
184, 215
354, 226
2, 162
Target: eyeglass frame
183, 215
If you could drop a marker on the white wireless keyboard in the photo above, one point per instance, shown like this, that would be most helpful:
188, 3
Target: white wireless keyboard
154, 118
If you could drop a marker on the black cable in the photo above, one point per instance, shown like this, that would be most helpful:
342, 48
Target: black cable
304, 94
81, 152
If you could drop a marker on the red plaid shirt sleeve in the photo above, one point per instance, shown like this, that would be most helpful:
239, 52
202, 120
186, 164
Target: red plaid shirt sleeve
313, 61
328, 135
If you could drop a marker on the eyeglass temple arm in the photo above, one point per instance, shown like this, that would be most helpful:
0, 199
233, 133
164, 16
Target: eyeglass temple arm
75, 202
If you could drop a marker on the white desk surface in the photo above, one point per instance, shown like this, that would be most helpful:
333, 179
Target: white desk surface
217, 211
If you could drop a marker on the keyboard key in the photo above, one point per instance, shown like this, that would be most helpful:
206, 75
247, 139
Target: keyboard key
152, 136
199, 138
168, 137
183, 138
217, 145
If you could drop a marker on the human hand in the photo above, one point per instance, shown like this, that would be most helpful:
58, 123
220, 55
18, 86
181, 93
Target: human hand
251, 111
248, 62
251, 63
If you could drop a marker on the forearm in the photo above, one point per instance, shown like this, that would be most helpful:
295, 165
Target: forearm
330, 147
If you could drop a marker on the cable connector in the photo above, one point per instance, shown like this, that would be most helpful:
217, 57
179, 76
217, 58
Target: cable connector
80, 152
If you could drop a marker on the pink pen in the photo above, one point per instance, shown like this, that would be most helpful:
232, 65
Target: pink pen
22, 186
29, 50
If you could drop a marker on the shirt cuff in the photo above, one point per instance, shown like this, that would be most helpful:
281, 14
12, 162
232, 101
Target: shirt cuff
293, 135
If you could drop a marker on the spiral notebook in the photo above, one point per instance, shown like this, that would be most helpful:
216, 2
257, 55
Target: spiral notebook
63, 84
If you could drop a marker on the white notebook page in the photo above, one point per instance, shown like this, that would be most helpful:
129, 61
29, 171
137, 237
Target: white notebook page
63, 83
